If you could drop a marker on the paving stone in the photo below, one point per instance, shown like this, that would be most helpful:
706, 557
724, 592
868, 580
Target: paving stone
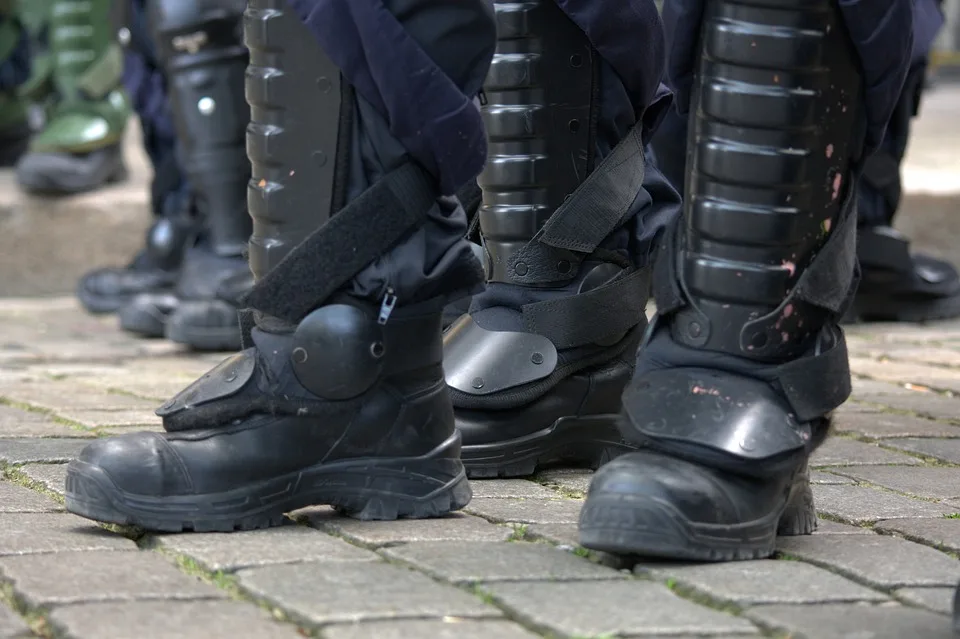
886, 425
862, 504
572, 479
25, 451
941, 533
472, 562
290, 544
929, 483
453, 527
621, 608
510, 489
444, 629
347, 592
867, 388
906, 372
820, 477
21, 423
935, 599
947, 450
11, 625
112, 418
28, 533
170, 620
566, 534
827, 527
848, 621
764, 582
52, 476
527, 511
877, 560
924, 404
57, 396
17, 499
100, 575
838, 451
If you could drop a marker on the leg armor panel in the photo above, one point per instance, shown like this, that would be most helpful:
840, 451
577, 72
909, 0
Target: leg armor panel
199, 45
773, 136
294, 91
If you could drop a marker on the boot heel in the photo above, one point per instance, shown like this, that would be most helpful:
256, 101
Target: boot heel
800, 516
415, 488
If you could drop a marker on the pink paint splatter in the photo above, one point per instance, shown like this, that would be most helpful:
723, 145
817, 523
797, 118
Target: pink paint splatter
785, 337
829, 151
788, 310
790, 266
837, 181
827, 224
700, 390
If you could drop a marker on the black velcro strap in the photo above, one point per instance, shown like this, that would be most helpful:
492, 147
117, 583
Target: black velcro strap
591, 213
357, 235
247, 324
884, 248
816, 385
826, 281
590, 317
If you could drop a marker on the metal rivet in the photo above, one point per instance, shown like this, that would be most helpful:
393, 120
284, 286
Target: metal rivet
324, 85
320, 158
123, 36
206, 106
231, 377
574, 125
563, 266
576, 61
537, 358
694, 329
477, 382
748, 444
377, 349
299, 355
521, 269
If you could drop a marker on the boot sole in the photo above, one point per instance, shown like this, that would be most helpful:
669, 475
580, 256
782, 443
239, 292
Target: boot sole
644, 527
54, 184
578, 441
205, 338
142, 322
368, 488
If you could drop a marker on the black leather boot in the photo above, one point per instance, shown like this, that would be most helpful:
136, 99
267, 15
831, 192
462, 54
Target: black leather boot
340, 397
200, 47
897, 284
155, 268
745, 361
538, 365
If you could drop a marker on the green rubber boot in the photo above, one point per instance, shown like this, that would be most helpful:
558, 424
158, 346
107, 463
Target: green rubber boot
79, 82
14, 59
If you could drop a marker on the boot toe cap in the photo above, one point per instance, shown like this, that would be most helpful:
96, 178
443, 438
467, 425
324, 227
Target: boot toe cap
652, 483
139, 464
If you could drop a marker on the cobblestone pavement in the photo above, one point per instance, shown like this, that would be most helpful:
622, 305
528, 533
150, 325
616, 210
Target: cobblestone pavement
883, 563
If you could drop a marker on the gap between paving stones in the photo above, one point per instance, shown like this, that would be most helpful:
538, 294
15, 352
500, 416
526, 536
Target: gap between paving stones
229, 584
40, 410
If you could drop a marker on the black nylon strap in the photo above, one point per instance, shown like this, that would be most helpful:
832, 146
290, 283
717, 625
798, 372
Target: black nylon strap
587, 217
362, 231
826, 281
590, 317
816, 385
